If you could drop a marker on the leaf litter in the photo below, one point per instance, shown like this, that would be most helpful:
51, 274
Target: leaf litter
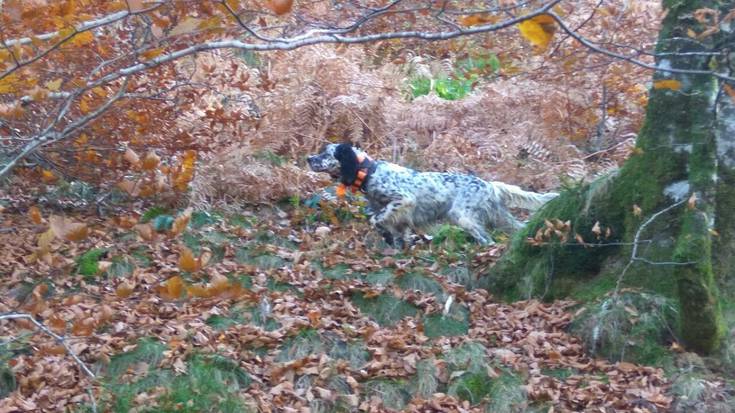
297, 316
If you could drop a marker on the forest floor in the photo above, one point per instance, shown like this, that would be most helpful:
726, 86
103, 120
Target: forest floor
290, 308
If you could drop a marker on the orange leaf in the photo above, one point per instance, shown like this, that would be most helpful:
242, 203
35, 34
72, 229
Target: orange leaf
671, 84
730, 91
280, 7
131, 157
150, 54
68, 229
48, 176
35, 214
477, 19
185, 173
84, 104
181, 222
538, 30
56, 323
692, 202
151, 161
145, 231
82, 39
187, 262
124, 289
198, 291
84, 327
132, 188
314, 317
172, 289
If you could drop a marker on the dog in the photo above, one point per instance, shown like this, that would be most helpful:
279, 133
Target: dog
403, 199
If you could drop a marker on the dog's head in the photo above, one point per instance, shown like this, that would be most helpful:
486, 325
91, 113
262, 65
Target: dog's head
338, 160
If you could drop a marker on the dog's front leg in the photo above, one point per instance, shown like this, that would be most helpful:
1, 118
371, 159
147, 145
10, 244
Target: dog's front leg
390, 220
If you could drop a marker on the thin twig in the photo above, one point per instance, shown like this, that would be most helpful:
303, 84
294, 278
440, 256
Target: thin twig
60, 339
634, 253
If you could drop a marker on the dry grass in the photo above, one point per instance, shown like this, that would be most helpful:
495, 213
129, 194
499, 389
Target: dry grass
536, 129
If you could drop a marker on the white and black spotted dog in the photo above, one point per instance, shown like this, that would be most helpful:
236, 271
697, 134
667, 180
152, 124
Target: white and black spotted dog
403, 199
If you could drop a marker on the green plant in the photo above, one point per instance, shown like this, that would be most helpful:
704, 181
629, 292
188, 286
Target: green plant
385, 309
88, 263
467, 73
629, 326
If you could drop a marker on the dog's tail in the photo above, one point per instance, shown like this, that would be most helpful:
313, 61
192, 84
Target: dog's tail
514, 197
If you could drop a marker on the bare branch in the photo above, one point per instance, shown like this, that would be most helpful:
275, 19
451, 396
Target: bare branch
636, 241
49, 136
591, 45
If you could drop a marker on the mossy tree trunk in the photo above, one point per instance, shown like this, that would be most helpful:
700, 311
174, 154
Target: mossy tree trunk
686, 146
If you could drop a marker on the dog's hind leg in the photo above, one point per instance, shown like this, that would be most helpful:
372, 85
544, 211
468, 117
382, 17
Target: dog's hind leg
472, 223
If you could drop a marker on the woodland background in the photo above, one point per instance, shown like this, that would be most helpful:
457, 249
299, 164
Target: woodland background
181, 256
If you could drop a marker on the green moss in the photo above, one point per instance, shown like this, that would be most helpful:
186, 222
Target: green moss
211, 384
507, 394
306, 342
453, 324
468, 356
147, 350
87, 263
632, 326
8, 383
702, 325
393, 393
381, 277
724, 242
426, 381
417, 282
121, 267
472, 387
385, 309
152, 213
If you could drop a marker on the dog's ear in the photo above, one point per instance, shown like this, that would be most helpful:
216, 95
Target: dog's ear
347, 163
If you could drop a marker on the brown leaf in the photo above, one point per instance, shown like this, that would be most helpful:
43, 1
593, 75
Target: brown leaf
67, 229
181, 222
84, 327
151, 161
692, 202
314, 317
172, 288
35, 214
280, 7
596, 229
187, 262
131, 157
637, 211
125, 289
145, 231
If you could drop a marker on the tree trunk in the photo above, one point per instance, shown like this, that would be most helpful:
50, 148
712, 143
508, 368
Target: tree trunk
685, 154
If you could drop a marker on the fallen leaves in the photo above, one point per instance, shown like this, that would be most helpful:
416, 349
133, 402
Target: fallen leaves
169, 301
68, 229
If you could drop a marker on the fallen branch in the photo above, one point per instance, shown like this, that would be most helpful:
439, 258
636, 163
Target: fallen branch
60, 339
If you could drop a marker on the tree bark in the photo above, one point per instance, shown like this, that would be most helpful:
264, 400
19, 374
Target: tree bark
685, 150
